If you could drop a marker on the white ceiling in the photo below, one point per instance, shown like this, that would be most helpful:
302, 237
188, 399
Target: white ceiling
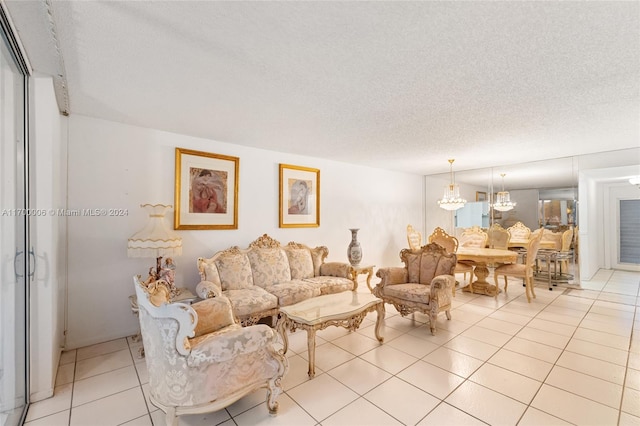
396, 85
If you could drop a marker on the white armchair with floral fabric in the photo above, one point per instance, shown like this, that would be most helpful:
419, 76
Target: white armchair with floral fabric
199, 359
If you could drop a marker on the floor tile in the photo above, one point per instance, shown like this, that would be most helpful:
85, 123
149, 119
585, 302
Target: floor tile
58, 419
359, 375
485, 335
103, 363
412, 345
546, 338
602, 338
60, 401
594, 367
506, 382
446, 415
627, 419
535, 417
114, 409
454, 362
65, 374
552, 326
105, 384
356, 343
289, 413
329, 356
534, 349
335, 396
594, 350
586, 386
631, 402
431, 379
633, 379
481, 402
389, 358
573, 408
472, 347
361, 412
522, 364
402, 401
101, 349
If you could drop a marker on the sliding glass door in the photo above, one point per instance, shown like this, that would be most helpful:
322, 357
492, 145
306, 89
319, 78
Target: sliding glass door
14, 256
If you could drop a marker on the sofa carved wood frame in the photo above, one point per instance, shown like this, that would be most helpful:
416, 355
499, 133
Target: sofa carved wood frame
423, 285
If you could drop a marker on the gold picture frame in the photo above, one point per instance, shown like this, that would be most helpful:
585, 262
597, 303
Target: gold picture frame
299, 203
481, 196
206, 191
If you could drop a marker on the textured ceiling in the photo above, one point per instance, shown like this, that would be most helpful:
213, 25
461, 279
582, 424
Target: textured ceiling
397, 85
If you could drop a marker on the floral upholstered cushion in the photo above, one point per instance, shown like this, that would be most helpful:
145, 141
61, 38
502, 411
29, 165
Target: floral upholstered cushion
210, 272
300, 263
418, 293
235, 271
330, 285
213, 314
317, 256
269, 266
248, 301
292, 292
431, 267
413, 266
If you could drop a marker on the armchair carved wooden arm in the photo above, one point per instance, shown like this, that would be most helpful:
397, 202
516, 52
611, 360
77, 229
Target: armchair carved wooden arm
199, 358
423, 285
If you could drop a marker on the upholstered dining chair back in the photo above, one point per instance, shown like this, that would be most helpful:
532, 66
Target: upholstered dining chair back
519, 231
440, 237
498, 237
473, 237
414, 238
567, 239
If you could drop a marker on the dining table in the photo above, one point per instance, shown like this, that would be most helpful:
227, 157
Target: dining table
480, 257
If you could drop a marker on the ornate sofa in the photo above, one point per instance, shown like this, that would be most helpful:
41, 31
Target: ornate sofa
424, 284
266, 275
199, 358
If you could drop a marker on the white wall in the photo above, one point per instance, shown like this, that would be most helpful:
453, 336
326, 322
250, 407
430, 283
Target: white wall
113, 165
47, 237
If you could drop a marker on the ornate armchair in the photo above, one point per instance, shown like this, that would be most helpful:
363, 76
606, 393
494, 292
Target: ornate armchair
423, 285
199, 358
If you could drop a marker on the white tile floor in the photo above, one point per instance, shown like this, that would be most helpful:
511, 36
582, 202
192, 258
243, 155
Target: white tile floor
570, 357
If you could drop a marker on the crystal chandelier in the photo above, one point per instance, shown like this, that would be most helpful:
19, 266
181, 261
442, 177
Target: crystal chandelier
451, 199
503, 202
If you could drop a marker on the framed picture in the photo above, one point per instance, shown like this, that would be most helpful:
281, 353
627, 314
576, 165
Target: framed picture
206, 193
299, 197
481, 196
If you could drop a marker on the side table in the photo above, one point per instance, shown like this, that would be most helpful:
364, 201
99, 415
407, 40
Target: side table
357, 270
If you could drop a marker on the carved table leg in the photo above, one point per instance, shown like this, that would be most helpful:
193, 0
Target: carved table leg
311, 346
380, 310
281, 328
481, 286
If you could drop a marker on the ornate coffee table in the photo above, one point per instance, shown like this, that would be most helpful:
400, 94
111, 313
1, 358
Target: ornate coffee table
346, 309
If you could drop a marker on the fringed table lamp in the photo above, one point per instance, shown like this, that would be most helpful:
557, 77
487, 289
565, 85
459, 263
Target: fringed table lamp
155, 239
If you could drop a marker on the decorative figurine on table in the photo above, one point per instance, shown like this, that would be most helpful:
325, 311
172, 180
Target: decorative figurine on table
168, 271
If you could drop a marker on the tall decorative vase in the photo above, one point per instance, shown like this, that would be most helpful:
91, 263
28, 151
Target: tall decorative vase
354, 251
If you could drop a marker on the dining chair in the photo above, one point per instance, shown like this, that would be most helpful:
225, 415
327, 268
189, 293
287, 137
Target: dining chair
567, 240
473, 237
521, 270
414, 238
450, 244
498, 237
519, 232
